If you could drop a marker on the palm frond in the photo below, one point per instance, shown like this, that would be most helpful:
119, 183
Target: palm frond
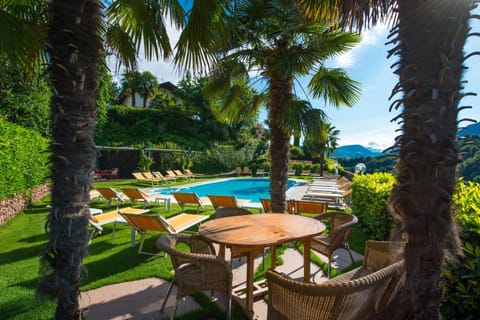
232, 107
120, 44
354, 14
204, 32
335, 87
22, 32
144, 22
301, 117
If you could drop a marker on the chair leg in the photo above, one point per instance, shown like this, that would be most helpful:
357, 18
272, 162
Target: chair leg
329, 267
229, 308
142, 239
170, 287
174, 309
349, 252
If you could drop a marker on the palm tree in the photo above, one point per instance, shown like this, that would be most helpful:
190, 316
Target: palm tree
275, 39
322, 141
428, 38
129, 82
147, 86
74, 51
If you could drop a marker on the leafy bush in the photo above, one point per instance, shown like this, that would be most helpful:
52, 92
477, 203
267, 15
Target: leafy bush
370, 194
23, 160
220, 158
462, 279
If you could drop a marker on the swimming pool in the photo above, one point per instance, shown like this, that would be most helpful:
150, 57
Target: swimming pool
242, 188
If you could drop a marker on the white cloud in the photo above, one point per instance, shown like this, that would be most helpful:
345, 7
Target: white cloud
370, 37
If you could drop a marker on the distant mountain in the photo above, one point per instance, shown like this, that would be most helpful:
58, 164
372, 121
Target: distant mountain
355, 151
473, 129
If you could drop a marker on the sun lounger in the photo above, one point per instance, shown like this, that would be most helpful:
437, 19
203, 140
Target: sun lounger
184, 198
141, 178
226, 201
158, 174
135, 194
111, 194
180, 174
144, 224
98, 221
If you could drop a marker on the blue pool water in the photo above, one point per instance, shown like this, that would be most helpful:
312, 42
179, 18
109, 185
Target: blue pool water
248, 188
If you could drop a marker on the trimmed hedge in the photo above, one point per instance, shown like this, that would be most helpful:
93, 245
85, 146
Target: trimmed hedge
370, 193
23, 159
462, 279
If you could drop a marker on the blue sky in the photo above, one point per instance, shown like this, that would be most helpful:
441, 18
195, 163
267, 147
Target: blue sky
368, 122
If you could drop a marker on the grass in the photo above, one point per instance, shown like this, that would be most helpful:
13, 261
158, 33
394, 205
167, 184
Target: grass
23, 240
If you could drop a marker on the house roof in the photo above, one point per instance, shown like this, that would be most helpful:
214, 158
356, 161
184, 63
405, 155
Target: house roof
168, 86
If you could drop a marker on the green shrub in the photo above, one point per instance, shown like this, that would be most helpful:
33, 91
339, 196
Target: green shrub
23, 160
370, 194
462, 279
219, 159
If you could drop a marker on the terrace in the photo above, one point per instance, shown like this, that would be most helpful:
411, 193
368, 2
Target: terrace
121, 282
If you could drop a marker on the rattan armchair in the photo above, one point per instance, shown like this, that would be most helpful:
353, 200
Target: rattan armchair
363, 293
195, 271
340, 227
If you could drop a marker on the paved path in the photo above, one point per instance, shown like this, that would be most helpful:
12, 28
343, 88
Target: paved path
142, 299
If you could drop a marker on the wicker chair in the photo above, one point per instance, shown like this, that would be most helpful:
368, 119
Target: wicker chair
363, 293
195, 271
340, 227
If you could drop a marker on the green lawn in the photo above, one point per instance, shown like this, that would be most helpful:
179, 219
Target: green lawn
23, 240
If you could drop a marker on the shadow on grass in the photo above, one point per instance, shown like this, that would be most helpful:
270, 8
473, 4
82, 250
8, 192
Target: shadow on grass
24, 253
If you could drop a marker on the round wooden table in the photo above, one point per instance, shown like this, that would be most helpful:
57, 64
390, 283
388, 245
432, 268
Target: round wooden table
252, 233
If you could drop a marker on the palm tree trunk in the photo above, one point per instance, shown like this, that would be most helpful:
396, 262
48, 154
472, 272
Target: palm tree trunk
133, 99
280, 93
74, 48
431, 36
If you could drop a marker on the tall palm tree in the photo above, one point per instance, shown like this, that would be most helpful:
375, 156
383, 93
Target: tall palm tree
147, 86
275, 39
428, 38
129, 82
74, 44
323, 140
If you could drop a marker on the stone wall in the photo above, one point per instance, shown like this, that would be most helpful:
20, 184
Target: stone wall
10, 207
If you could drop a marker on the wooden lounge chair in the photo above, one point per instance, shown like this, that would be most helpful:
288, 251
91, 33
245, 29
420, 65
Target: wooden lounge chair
363, 293
158, 174
197, 270
340, 228
303, 206
226, 201
135, 194
141, 178
266, 205
144, 223
99, 220
170, 174
111, 194
180, 174
184, 198
246, 171
151, 177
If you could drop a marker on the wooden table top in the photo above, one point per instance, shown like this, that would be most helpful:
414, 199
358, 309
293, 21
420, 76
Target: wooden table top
260, 229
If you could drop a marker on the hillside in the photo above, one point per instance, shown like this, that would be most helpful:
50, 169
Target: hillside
355, 151
473, 129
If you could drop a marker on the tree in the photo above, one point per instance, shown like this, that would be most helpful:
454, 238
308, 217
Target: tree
130, 83
147, 86
428, 38
74, 51
322, 141
275, 39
